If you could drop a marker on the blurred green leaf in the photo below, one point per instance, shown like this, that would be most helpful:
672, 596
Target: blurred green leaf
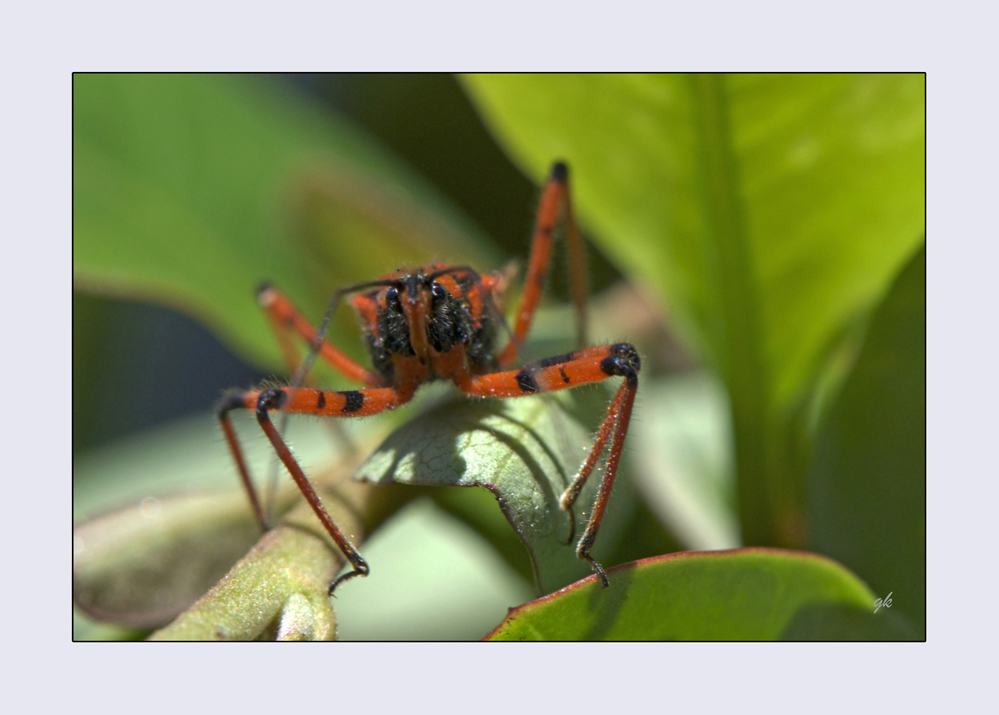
189, 456
86, 628
143, 565
766, 211
683, 464
190, 190
526, 451
432, 578
748, 594
867, 483
824, 622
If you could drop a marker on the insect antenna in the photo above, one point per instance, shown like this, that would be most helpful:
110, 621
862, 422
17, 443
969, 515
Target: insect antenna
310, 358
455, 269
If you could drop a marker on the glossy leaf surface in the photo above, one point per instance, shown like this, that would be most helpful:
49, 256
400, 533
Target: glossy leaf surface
747, 594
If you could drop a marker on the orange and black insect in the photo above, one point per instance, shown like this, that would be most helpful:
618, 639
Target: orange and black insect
442, 322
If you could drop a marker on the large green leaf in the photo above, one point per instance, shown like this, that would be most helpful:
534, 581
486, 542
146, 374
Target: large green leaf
747, 594
767, 212
192, 189
867, 484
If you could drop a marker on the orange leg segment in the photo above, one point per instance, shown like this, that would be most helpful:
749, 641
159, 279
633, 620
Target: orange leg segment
557, 373
286, 319
305, 400
554, 201
618, 417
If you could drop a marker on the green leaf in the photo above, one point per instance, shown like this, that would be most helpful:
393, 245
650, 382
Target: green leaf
747, 594
867, 483
432, 578
766, 212
526, 452
190, 190
479, 510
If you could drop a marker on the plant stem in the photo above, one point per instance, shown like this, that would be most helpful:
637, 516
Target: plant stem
279, 588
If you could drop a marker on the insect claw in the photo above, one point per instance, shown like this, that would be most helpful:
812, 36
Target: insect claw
600, 571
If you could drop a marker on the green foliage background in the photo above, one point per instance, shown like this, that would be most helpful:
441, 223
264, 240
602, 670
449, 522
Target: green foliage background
768, 218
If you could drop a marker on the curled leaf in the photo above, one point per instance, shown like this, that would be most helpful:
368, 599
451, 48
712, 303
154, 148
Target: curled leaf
526, 452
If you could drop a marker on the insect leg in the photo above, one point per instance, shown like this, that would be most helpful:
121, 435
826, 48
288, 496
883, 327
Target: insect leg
286, 320
554, 201
305, 400
561, 372
618, 417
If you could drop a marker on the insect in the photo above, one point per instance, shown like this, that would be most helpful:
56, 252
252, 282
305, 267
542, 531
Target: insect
442, 322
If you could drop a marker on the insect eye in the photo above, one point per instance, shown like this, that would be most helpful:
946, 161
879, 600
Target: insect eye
439, 292
392, 298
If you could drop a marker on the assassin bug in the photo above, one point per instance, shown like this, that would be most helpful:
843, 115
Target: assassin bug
442, 322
